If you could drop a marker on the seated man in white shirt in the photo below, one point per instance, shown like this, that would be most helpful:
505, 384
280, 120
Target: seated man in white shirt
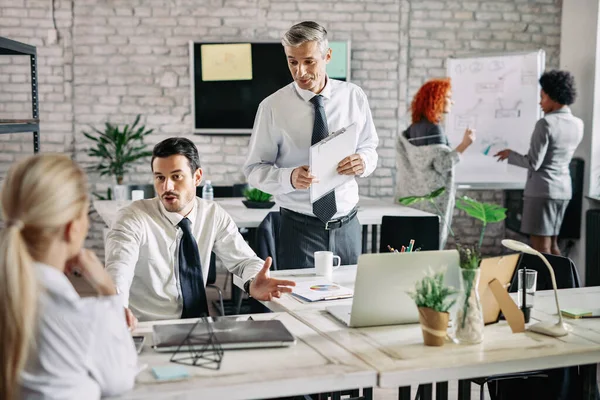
287, 123
158, 250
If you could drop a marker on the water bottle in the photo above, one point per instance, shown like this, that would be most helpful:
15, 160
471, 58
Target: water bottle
207, 191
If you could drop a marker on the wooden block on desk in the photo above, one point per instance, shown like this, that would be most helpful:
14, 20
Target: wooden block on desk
511, 312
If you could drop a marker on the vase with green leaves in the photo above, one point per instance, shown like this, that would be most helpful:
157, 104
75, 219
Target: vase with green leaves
433, 299
256, 198
469, 319
117, 150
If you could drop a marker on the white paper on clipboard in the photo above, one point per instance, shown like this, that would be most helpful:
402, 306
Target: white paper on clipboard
324, 158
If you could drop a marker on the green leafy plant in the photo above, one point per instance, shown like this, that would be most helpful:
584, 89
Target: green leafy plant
487, 213
410, 200
118, 150
257, 195
432, 293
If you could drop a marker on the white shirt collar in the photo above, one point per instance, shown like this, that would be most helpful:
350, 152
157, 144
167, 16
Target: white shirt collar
55, 282
307, 94
175, 218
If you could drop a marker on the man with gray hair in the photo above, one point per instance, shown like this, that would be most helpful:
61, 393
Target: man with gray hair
287, 123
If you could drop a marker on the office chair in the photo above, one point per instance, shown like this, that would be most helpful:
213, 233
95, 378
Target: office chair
567, 277
210, 282
235, 190
398, 231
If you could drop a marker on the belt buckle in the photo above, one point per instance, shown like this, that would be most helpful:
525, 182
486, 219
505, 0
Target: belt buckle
333, 221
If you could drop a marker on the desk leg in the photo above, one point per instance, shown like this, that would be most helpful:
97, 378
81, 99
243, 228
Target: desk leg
404, 393
464, 390
336, 396
441, 391
590, 384
365, 236
426, 391
374, 248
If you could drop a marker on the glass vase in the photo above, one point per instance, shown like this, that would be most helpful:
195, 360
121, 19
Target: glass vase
469, 315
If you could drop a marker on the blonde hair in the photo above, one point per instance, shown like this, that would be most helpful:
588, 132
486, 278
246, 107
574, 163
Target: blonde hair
40, 195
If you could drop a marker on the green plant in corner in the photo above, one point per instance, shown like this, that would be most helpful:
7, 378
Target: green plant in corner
431, 292
257, 195
118, 149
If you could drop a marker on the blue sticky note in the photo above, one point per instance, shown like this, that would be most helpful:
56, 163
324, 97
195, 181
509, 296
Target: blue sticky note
170, 372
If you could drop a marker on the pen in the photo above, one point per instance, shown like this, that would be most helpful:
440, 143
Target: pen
411, 245
403, 249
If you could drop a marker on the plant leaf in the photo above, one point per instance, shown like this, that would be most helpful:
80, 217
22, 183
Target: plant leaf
410, 200
485, 212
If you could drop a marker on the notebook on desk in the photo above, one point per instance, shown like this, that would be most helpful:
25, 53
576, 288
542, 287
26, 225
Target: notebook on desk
229, 333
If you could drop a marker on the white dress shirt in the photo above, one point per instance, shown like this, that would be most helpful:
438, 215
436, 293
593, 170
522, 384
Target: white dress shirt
282, 136
142, 253
83, 349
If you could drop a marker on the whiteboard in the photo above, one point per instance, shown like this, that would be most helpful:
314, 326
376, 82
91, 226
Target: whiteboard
498, 95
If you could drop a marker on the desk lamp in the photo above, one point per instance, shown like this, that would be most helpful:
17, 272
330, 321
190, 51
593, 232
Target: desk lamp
545, 328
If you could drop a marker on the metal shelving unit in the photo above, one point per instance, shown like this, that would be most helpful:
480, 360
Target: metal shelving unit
11, 47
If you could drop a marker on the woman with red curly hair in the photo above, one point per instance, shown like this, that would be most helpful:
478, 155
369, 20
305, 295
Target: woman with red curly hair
432, 101
424, 161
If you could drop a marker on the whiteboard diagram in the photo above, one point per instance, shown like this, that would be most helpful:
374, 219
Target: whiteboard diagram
498, 96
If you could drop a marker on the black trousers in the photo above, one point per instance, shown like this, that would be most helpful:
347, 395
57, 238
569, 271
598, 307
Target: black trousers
301, 235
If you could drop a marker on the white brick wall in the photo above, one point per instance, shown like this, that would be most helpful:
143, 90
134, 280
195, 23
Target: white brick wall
118, 58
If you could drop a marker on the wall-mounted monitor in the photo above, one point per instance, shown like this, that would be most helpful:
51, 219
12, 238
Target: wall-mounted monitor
229, 80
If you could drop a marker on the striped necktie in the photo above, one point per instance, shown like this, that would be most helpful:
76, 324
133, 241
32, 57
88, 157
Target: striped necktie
325, 207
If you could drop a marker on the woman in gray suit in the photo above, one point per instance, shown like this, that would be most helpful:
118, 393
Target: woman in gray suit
553, 142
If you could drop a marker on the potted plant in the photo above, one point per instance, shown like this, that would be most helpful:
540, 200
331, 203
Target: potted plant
469, 319
256, 198
118, 150
432, 298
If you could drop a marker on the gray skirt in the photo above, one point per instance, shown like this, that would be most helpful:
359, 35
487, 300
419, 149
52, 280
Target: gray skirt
542, 217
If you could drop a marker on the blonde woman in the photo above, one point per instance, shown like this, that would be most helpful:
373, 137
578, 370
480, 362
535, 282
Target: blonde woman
54, 344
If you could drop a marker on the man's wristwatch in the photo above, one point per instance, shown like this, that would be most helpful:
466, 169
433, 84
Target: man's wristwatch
247, 286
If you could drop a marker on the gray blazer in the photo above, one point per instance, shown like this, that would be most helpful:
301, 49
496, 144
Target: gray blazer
553, 142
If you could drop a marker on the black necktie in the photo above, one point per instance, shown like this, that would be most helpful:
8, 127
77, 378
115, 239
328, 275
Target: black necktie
325, 207
190, 274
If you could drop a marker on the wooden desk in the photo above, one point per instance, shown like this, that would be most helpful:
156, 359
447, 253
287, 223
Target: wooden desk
344, 276
398, 355
313, 365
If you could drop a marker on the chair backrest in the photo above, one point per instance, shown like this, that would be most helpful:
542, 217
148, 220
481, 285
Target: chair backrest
236, 190
398, 231
267, 237
212, 270
565, 272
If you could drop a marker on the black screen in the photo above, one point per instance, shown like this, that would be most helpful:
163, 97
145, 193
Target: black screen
228, 105
233, 104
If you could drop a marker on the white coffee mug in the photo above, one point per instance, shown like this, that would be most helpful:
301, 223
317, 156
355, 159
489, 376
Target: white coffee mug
324, 263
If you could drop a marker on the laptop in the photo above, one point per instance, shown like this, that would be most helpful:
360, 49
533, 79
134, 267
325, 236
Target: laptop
382, 283
230, 334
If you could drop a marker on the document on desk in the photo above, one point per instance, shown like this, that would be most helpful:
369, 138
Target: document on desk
324, 158
320, 290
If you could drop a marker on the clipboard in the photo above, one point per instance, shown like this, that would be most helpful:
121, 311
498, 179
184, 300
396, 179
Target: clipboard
324, 158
